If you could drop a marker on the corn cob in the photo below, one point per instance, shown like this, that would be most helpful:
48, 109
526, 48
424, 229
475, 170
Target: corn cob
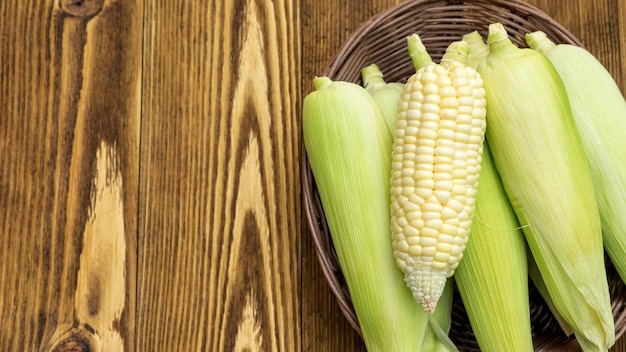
539, 156
435, 168
599, 112
349, 148
492, 278
386, 94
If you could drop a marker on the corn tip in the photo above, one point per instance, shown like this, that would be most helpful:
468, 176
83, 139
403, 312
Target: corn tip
472, 36
456, 52
539, 41
429, 307
371, 74
417, 51
427, 286
321, 82
497, 33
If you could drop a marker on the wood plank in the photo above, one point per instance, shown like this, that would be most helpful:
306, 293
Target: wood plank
69, 143
220, 209
621, 78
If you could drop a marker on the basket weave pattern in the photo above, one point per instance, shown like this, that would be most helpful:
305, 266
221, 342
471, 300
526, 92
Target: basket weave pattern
382, 40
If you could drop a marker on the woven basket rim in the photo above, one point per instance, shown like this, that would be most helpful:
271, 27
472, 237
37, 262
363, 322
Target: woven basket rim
313, 209
356, 35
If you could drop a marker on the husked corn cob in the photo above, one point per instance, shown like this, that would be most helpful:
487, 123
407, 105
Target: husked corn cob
386, 94
492, 278
435, 168
599, 112
349, 147
539, 156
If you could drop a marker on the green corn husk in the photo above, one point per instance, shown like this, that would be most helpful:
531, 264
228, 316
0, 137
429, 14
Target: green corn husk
600, 114
492, 278
539, 156
349, 150
386, 94
478, 49
535, 276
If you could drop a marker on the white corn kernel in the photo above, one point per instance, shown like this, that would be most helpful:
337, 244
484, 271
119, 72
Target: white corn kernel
444, 106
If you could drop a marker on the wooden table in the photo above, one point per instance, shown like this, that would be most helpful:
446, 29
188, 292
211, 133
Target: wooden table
149, 170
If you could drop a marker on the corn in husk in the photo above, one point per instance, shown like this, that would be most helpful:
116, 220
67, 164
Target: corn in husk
539, 156
599, 111
349, 148
478, 49
386, 94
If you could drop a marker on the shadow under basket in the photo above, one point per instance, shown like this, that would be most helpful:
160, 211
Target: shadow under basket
382, 40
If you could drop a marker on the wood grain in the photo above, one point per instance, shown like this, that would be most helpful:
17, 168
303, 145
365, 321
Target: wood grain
69, 150
220, 208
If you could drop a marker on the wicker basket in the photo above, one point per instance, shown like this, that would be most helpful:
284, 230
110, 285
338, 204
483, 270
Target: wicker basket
382, 40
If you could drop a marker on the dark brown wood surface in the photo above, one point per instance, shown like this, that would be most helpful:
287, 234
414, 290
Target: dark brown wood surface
150, 170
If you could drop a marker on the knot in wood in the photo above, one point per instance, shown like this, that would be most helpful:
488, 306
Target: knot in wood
81, 8
73, 344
